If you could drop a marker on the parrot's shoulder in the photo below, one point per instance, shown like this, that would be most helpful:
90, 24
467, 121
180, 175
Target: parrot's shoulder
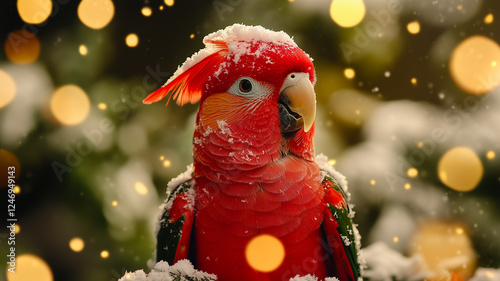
329, 173
181, 180
341, 232
174, 224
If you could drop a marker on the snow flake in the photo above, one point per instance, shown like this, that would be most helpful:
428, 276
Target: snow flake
346, 240
207, 131
269, 60
222, 67
308, 277
223, 126
238, 49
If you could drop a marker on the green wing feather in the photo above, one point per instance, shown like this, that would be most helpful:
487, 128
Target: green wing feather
340, 231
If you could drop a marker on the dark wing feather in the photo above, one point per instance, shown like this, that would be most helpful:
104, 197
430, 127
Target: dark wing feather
173, 239
339, 231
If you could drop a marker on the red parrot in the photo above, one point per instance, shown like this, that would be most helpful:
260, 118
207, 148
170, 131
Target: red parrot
254, 170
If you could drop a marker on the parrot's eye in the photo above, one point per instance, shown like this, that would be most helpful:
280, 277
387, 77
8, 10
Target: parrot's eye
245, 85
248, 87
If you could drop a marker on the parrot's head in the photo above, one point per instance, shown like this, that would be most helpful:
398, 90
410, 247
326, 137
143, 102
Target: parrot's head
255, 88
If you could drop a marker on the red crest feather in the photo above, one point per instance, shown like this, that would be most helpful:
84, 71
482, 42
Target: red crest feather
186, 83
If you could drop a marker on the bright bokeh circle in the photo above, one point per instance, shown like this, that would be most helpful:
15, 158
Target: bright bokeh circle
347, 13
30, 267
76, 244
70, 105
132, 40
8, 89
22, 47
96, 14
460, 169
265, 253
34, 11
475, 65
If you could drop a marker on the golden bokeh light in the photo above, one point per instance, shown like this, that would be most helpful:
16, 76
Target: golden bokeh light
70, 105
488, 19
445, 246
460, 169
146, 11
102, 106
114, 203
104, 254
17, 228
191, 36
265, 253
347, 13
8, 159
490, 155
332, 162
17, 189
412, 172
407, 186
473, 65
349, 73
76, 244
413, 27
395, 239
22, 47
96, 14
34, 11
141, 188
414, 81
83, 50
132, 40
373, 182
161, 8
167, 163
169, 3
30, 267
8, 89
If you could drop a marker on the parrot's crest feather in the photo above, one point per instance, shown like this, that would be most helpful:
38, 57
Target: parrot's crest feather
186, 85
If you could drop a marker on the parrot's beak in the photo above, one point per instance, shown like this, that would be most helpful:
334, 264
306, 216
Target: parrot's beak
297, 96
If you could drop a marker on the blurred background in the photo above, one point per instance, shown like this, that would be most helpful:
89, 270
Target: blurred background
408, 110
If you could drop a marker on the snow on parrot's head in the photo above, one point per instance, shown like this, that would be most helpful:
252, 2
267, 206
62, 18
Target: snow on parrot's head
256, 81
